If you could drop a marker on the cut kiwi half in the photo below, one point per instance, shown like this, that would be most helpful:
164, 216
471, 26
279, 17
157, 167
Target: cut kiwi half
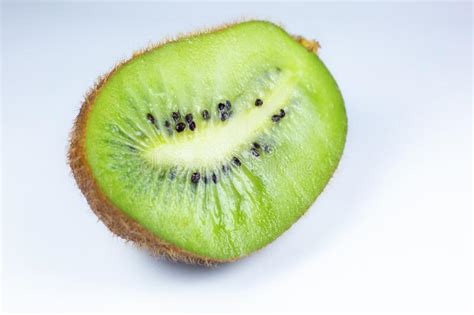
206, 148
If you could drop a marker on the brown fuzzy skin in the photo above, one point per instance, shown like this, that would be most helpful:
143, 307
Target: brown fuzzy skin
311, 45
116, 220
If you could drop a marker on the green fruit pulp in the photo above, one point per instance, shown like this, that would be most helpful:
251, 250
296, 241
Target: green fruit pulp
145, 167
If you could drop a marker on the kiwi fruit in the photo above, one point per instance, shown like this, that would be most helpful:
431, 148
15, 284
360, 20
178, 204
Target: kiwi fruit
206, 148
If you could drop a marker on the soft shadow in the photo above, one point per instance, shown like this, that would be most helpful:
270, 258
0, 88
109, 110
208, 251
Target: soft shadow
182, 270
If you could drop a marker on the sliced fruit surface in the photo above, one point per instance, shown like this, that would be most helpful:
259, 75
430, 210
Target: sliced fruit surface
217, 143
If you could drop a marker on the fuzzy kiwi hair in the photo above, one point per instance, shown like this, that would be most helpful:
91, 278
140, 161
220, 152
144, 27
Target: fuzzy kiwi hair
116, 220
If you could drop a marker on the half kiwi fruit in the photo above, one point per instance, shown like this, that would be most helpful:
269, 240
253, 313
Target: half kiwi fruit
207, 148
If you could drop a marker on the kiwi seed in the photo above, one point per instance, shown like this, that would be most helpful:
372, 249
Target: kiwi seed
188, 118
180, 127
150, 118
205, 114
236, 161
224, 116
176, 116
195, 177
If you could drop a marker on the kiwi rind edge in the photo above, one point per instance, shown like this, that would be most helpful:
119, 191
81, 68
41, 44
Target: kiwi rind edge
116, 220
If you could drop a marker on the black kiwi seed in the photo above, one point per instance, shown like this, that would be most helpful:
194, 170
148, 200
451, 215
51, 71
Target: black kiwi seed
256, 145
221, 106
224, 116
276, 118
236, 161
214, 178
282, 113
150, 118
258, 102
192, 126
205, 114
205, 179
267, 149
131, 148
228, 105
188, 118
176, 116
180, 127
254, 152
167, 124
195, 177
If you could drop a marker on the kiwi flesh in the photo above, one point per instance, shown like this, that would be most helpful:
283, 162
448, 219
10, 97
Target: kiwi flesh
207, 148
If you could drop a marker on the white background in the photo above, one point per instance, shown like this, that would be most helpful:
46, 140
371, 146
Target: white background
392, 231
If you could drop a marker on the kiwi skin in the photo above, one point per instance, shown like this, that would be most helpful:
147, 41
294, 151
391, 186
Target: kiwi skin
117, 221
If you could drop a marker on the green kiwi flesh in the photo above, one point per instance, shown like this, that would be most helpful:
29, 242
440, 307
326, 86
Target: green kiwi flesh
267, 131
